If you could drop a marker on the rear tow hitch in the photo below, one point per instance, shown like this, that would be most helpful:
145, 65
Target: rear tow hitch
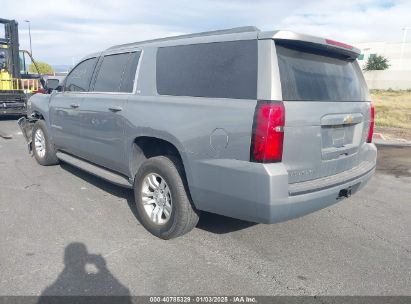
345, 193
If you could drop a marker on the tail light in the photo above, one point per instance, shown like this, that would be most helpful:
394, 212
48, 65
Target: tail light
268, 133
371, 129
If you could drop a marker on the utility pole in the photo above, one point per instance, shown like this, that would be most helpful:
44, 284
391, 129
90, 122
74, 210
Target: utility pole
31, 51
404, 38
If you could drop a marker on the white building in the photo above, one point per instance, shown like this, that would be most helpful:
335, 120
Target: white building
398, 54
398, 75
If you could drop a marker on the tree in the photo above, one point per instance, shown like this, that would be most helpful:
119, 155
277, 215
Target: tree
376, 62
44, 68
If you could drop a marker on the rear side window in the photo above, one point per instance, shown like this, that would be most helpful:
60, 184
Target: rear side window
79, 78
127, 84
319, 76
116, 73
219, 70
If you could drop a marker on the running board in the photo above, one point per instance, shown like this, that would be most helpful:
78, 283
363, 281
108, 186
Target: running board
95, 170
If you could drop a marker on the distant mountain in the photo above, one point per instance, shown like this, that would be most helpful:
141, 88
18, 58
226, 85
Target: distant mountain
62, 67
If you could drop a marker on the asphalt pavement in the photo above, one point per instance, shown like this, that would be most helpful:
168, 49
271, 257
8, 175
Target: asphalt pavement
63, 232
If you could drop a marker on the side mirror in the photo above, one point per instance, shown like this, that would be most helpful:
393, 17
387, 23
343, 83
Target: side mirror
52, 84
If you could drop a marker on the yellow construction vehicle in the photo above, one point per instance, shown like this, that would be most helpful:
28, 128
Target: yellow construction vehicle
17, 84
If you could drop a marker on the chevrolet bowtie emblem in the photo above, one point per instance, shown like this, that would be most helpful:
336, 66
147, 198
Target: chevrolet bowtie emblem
348, 119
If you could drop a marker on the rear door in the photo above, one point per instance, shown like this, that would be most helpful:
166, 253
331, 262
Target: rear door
327, 111
101, 114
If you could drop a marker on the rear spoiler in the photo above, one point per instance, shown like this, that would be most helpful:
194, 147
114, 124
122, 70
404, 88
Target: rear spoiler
288, 37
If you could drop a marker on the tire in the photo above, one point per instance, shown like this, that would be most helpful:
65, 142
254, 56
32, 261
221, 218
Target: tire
166, 223
43, 148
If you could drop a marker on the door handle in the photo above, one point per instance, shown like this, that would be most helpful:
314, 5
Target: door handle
74, 105
115, 108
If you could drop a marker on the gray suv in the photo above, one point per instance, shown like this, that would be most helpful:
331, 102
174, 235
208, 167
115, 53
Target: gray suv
259, 126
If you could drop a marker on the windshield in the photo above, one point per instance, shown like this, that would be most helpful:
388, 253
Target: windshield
319, 76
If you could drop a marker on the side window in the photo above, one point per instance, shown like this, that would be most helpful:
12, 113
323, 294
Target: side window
79, 78
116, 73
127, 84
220, 70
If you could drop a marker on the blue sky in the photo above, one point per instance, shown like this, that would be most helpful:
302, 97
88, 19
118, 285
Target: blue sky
63, 31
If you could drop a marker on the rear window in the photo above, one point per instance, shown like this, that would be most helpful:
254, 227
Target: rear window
319, 76
219, 70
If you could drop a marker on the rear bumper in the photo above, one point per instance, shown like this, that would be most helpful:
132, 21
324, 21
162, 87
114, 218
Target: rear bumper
299, 205
261, 193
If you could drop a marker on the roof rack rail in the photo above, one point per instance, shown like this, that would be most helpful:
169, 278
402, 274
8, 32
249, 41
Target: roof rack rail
235, 30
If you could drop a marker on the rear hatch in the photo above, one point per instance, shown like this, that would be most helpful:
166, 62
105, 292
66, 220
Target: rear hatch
327, 109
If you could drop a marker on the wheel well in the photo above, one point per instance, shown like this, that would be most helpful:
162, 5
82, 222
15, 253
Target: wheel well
152, 146
146, 147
